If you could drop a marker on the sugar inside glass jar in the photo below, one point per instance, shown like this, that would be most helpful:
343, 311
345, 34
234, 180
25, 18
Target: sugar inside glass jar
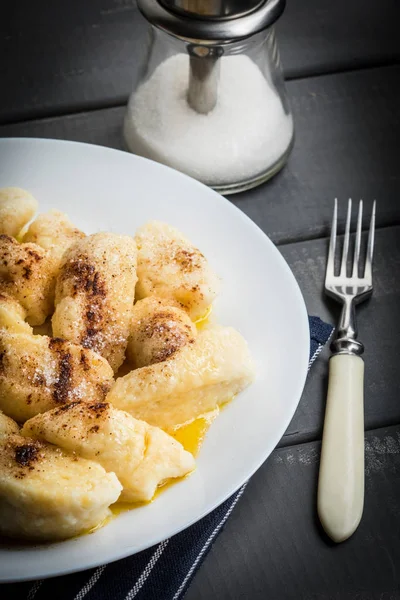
211, 101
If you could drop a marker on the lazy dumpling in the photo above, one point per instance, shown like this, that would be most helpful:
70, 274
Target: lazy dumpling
27, 273
54, 232
28, 270
169, 266
47, 494
12, 316
158, 330
38, 373
95, 292
7, 426
141, 456
196, 379
17, 207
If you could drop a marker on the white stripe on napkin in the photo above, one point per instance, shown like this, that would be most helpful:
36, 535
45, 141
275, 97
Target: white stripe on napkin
208, 542
92, 581
147, 570
318, 350
34, 589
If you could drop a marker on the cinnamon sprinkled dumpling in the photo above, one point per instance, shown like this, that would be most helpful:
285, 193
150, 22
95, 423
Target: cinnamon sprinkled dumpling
196, 379
141, 456
12, 316
47, 494
158, 330
27, 272
169, 266
54, 232
38, 372
17, 207
95, 293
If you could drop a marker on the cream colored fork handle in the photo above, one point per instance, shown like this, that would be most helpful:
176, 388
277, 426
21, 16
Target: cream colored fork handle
341, 474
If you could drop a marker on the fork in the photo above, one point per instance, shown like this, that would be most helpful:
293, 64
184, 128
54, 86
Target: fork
341, 474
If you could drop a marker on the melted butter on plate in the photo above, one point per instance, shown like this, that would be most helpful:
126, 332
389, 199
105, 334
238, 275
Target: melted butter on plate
202, 322
191, 436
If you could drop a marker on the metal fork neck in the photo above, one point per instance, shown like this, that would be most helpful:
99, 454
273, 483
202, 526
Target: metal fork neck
347, 325
345, 341
347, 346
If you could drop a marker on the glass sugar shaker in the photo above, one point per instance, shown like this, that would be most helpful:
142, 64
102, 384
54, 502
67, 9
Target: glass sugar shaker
211, 100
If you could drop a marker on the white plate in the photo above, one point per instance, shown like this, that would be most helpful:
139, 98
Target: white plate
103, 189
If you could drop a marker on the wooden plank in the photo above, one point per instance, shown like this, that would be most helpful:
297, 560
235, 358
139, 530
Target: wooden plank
324, 36
382, 376
70, 56
272, 545
347, 128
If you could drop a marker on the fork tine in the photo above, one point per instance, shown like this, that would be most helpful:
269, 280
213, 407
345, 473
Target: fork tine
358, 240
370, 247
330, 265
343, 266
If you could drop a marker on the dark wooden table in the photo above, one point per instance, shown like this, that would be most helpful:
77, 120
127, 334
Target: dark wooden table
66, 70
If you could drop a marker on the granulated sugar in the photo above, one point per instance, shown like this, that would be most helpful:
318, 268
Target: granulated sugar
246, 132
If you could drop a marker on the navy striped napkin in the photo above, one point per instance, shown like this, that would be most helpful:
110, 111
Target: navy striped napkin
162, 572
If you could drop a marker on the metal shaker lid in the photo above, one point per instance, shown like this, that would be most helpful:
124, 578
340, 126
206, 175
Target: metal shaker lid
212, 20
217, 9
